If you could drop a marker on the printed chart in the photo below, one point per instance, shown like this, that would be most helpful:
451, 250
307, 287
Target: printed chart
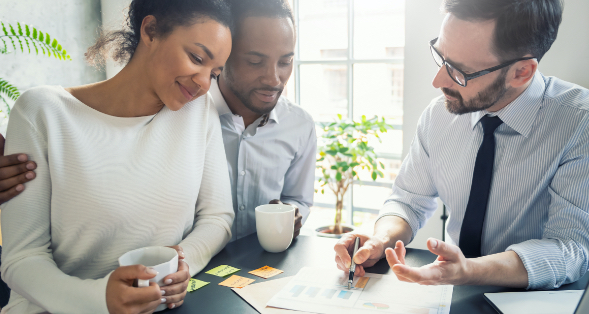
325, 291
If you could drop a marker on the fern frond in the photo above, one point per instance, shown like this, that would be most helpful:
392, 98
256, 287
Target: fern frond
30, 35
9, 90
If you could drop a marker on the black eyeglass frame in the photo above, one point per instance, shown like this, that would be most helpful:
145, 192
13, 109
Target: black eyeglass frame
471, 76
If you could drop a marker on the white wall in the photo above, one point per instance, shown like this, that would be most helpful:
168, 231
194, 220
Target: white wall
568, 59
72, 22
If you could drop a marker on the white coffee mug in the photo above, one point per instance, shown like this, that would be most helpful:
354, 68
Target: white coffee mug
275, 226
162, 259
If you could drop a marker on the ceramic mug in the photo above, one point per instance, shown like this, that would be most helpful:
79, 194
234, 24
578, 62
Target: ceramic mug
275, 226
162, 259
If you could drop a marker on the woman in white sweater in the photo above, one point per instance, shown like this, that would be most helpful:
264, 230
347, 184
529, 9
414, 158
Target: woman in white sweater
133, 161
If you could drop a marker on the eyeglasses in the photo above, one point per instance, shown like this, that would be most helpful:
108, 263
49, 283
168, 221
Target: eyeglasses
458, 75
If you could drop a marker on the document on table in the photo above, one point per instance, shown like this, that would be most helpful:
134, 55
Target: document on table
535, 302
320, 290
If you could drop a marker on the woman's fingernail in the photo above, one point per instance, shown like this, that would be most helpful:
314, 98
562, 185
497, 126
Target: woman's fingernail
181, 254
434, 243
168, 281
162, 292
22, 158
173, 305
151, 271
29, 175
163, 300
20, 187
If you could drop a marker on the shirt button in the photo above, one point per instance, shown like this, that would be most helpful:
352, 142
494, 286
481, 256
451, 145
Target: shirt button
241, 207
243, 172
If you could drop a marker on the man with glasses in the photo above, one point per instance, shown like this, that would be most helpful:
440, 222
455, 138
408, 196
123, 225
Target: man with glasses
507, 151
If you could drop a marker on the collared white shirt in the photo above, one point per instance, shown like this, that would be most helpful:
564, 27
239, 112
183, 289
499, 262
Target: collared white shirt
274, 161
539, 197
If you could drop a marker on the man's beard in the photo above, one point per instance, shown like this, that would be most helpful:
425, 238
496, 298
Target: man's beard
484, 100
246, 96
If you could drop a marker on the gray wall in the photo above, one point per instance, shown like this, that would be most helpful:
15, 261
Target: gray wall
73, 23
567, 60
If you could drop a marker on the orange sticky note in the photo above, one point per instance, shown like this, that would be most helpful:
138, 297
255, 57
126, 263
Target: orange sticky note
236, 282
362, 282
266, 272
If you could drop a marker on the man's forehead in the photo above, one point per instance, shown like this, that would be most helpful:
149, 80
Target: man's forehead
256, 30
469, 43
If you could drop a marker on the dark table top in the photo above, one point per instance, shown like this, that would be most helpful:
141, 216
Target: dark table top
247, 254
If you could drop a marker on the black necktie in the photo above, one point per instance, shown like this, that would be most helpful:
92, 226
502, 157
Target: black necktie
472, 225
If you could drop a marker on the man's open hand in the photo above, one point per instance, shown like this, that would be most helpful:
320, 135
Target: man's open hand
450, 268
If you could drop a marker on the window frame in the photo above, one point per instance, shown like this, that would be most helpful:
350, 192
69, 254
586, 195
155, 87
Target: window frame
349, 62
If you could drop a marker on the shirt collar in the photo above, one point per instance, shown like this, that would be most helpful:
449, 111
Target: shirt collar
223, 108
520, 113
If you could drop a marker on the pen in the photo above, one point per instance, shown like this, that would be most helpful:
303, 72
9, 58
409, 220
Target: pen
353, 265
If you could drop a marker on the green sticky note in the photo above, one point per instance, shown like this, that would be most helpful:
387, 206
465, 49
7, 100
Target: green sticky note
195, 284
223, 270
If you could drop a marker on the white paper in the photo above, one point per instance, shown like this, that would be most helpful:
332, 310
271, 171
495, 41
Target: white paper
325, 291
536, 302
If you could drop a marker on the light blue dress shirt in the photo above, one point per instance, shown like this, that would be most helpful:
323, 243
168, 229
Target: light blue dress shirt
274, 161
539, 197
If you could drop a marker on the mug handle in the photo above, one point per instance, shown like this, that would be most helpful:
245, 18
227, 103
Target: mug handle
142, 283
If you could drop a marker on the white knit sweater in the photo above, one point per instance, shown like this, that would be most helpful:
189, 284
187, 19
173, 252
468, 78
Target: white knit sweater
106, 185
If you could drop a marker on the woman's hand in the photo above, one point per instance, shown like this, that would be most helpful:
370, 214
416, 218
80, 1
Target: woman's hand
122, 297
176, 283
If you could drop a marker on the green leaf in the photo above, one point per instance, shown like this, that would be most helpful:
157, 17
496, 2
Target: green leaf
54, 43
12, 30
27, 31
41, 36
20, 32
339, 116
331, 152
373, 176
34, 33
47, 39
338, 176
334, 167
4, 29
381, 164
354, 173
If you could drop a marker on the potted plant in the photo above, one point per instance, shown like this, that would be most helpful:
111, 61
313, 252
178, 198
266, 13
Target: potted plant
26, 39
343, 153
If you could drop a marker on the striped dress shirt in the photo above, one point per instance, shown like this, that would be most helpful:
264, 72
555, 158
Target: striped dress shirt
539, 201
273, 158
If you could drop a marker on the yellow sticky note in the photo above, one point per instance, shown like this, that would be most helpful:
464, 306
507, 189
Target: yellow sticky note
266, 272
195, 284
222, 271
236, 282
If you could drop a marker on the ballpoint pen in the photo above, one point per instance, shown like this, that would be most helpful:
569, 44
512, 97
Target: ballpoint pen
353, 265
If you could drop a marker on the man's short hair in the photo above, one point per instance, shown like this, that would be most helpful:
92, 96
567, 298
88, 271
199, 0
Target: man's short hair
522, 26
242, 9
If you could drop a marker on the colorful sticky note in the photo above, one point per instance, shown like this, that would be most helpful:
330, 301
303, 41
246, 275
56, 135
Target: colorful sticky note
236, 282
222, 271
195, 284
266, 272
362, 282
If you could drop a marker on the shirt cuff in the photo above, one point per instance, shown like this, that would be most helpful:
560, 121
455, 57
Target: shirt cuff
393, 208
543, 261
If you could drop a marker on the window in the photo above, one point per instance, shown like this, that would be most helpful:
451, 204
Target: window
349, 61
